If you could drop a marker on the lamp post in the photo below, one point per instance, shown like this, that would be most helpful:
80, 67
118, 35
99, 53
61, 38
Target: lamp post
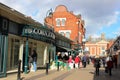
49, 14
78, 40
78, 31
26, 54
83, 43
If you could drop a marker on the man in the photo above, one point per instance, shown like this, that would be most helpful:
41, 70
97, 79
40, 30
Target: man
97, 65
84, 59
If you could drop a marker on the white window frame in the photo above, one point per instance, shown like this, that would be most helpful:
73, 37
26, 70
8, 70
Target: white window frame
61, 23
67, 35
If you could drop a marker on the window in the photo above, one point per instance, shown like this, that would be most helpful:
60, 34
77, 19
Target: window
14, 53
13, 27
58, 22
67, 34
62, 33
103, 48
63, 22
4, 24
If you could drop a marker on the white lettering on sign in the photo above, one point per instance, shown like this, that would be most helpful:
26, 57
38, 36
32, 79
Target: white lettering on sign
40, 32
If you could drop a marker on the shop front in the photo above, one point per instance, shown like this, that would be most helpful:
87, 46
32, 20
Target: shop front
44, 40
15, 46
118, 57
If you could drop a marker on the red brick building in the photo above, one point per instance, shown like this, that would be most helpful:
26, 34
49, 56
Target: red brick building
67, 23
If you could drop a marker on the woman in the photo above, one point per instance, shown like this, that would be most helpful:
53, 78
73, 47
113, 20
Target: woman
71, 62
109, 64
34, 56
77, 61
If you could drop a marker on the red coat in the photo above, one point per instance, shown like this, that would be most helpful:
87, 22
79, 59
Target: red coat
70, 60
77, 60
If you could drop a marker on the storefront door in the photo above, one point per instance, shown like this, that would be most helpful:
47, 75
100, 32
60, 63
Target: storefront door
3, 54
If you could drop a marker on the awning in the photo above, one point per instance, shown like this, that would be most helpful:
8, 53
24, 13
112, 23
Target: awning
62, 49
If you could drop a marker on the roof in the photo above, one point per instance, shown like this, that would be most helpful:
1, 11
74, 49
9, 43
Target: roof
102, 42
16, 16
61, 8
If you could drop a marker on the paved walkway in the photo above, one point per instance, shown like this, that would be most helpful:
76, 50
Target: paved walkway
75, 74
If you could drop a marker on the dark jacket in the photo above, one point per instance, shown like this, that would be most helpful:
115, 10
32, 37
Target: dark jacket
97, 63
34, 56
110, 64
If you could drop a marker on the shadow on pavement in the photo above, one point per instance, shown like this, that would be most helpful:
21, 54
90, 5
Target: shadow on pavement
105, 76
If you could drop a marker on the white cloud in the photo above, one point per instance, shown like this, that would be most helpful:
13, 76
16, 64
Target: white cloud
113, 18
96, 13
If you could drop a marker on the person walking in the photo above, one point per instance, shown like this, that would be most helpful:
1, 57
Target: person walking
97, 65
30, 62
109, 65
71, 62
115, 61
84, 60
34, 56
77, 61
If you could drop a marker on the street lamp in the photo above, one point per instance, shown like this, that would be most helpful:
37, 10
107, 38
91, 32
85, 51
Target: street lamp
78, 31
78, 37
83, 43
49, 14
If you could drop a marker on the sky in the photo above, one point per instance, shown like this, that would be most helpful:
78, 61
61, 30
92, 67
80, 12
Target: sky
100, 16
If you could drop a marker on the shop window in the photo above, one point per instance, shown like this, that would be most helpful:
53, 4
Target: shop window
5, 23
14, 54
13, 27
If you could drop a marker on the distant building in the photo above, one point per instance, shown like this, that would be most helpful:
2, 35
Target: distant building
97, 46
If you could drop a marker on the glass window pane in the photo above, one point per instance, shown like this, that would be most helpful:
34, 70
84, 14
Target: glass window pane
63, 22
68, 34
58, 22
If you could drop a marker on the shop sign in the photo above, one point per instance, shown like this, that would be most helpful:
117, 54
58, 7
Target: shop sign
38, 32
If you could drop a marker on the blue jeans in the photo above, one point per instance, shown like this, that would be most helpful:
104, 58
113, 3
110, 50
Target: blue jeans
34, 66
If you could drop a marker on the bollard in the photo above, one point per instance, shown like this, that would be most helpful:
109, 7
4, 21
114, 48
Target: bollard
19, 72
47, 66
58, 66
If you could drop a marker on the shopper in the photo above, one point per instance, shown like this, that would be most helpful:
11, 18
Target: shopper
109, 64
97, 65
34, 56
